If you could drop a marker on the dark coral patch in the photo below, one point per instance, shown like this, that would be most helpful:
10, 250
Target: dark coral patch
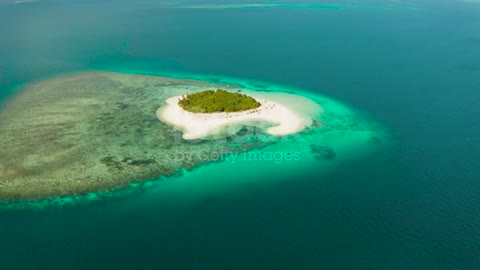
321, 152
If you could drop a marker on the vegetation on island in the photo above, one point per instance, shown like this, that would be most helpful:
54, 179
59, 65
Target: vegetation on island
211, 101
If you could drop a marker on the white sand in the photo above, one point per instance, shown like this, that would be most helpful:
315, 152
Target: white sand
274, 110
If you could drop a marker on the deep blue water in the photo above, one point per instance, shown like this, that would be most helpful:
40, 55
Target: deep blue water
414, 66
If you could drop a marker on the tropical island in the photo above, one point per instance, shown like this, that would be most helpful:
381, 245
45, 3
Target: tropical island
96, 131
210, 101
214, 114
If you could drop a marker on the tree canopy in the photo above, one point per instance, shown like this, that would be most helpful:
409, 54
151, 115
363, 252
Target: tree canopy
219, 100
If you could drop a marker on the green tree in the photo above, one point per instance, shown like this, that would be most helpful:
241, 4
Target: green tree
210, 101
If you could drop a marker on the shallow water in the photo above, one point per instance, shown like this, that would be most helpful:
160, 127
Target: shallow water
412, 67
88, 132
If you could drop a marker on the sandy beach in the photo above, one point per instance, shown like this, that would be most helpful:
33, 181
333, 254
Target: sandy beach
284, 119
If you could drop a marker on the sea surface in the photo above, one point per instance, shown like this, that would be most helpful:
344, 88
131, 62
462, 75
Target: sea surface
411, 67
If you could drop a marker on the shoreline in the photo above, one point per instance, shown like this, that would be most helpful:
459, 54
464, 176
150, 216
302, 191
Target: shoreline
280, 114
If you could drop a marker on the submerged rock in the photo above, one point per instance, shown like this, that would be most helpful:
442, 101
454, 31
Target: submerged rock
321, 152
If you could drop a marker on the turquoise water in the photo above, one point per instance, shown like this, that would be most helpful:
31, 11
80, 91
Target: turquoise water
410, 69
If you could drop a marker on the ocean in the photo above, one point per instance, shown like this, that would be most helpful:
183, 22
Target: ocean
411, 67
